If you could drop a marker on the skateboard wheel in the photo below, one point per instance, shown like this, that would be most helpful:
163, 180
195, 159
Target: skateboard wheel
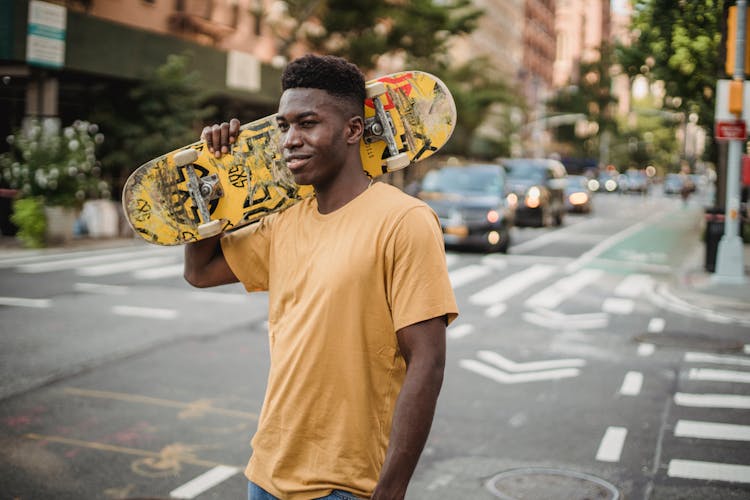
375, 89
185, 157
210, 228
397, 162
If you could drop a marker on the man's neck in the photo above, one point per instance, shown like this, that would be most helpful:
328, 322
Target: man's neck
341, 191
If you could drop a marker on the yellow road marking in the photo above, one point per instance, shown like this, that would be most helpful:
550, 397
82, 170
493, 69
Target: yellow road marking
201, 405
93, 445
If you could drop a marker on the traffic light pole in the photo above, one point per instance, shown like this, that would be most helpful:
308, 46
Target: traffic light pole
730, 267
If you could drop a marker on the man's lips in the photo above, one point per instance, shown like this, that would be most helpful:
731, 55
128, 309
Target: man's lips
295, 162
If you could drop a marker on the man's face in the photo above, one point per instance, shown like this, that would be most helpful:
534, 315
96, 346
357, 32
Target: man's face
313, 128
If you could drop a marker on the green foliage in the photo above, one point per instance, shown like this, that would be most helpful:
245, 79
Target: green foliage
678, 42
60, 166
363, 30
162, 113
28, 215
591, 96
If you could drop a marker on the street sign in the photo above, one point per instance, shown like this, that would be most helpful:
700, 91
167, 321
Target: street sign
730, 130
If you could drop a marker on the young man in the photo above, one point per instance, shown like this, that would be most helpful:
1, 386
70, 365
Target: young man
359, 299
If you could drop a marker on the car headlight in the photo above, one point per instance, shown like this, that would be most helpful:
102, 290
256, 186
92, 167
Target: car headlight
493, 216
512, 200
578, 198
610, 185
594, 185
533, 197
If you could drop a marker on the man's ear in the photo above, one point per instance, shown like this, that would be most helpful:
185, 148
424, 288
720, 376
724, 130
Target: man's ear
354, 130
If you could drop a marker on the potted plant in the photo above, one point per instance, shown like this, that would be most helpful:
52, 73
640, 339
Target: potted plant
58, 169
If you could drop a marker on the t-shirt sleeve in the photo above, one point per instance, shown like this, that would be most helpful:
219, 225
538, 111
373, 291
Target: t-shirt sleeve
247, 251
419, 288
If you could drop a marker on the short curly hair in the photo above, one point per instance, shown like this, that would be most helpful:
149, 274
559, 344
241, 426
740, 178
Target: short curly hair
335, 75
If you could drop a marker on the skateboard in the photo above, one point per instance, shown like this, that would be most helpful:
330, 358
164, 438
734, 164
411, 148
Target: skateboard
189, 195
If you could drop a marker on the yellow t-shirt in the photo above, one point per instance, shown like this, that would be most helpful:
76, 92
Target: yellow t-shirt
340, 286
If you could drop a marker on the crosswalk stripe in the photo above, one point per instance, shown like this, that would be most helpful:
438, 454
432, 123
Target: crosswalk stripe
702, 357
711, 375
711, 471
23, 302
78, 262
712, 430
632, 384
634, 285
458, 331
121, 267
513, 284
610, 447
159, 272
100, 288
145, 312
733, 401
464, 275
557, 293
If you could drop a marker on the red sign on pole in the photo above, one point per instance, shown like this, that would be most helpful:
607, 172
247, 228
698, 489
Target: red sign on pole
730, 130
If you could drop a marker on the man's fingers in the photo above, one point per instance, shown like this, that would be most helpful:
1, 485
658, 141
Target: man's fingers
224, 137
234, 130
206, 136
216, 139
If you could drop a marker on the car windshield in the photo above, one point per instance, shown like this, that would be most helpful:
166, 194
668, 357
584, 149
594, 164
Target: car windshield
525, 171
476, 181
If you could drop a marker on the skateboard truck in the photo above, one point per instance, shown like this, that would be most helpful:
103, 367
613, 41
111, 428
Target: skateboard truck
380, 127
201, 190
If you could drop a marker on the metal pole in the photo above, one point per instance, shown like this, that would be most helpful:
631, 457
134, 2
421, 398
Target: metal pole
730, 266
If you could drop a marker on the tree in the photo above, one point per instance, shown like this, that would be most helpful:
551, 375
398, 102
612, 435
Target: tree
678, 42
591, 96
160, 114
364, 30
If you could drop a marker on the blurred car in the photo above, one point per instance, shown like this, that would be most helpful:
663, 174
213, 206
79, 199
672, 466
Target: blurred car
635, 181
539, 185
608, 182
578, 195
673, 184
472, 204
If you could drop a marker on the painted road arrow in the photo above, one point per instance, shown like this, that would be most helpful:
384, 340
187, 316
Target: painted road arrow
506, 371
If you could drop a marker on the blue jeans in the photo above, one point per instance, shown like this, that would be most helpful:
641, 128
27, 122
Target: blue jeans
255, 492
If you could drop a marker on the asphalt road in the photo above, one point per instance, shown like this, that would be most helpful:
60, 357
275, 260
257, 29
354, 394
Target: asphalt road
120, 381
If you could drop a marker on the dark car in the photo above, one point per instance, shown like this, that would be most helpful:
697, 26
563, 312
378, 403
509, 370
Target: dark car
673, 184
578, 194
636, 181
471, 203
539, 185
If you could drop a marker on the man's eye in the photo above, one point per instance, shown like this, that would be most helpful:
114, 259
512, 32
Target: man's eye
283, 127
308, 123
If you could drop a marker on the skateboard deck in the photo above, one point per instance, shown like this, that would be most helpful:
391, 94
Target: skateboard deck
188, 194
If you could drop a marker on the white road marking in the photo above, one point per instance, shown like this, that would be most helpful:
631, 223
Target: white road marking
701, 357
495, 311
458, 331
22, 302
712, 400
511, 366
711, 375
712, 430
222, 298
614, 305
513, 284
100, 289
645, 349
123, 266
77, 262
159, 272
555, 294
204, 482
450, 259
440, 482
516, 378
656, 325
145, 312
464, 275
557, 320
610, 448
634, 285
632, 384
711, 471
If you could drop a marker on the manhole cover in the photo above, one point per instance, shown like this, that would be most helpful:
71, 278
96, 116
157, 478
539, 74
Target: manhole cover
691, 341
533, 483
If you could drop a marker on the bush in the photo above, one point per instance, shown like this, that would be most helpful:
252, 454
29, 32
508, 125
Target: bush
28, 215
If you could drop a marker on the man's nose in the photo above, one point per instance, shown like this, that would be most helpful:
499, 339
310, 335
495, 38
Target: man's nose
292, 138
